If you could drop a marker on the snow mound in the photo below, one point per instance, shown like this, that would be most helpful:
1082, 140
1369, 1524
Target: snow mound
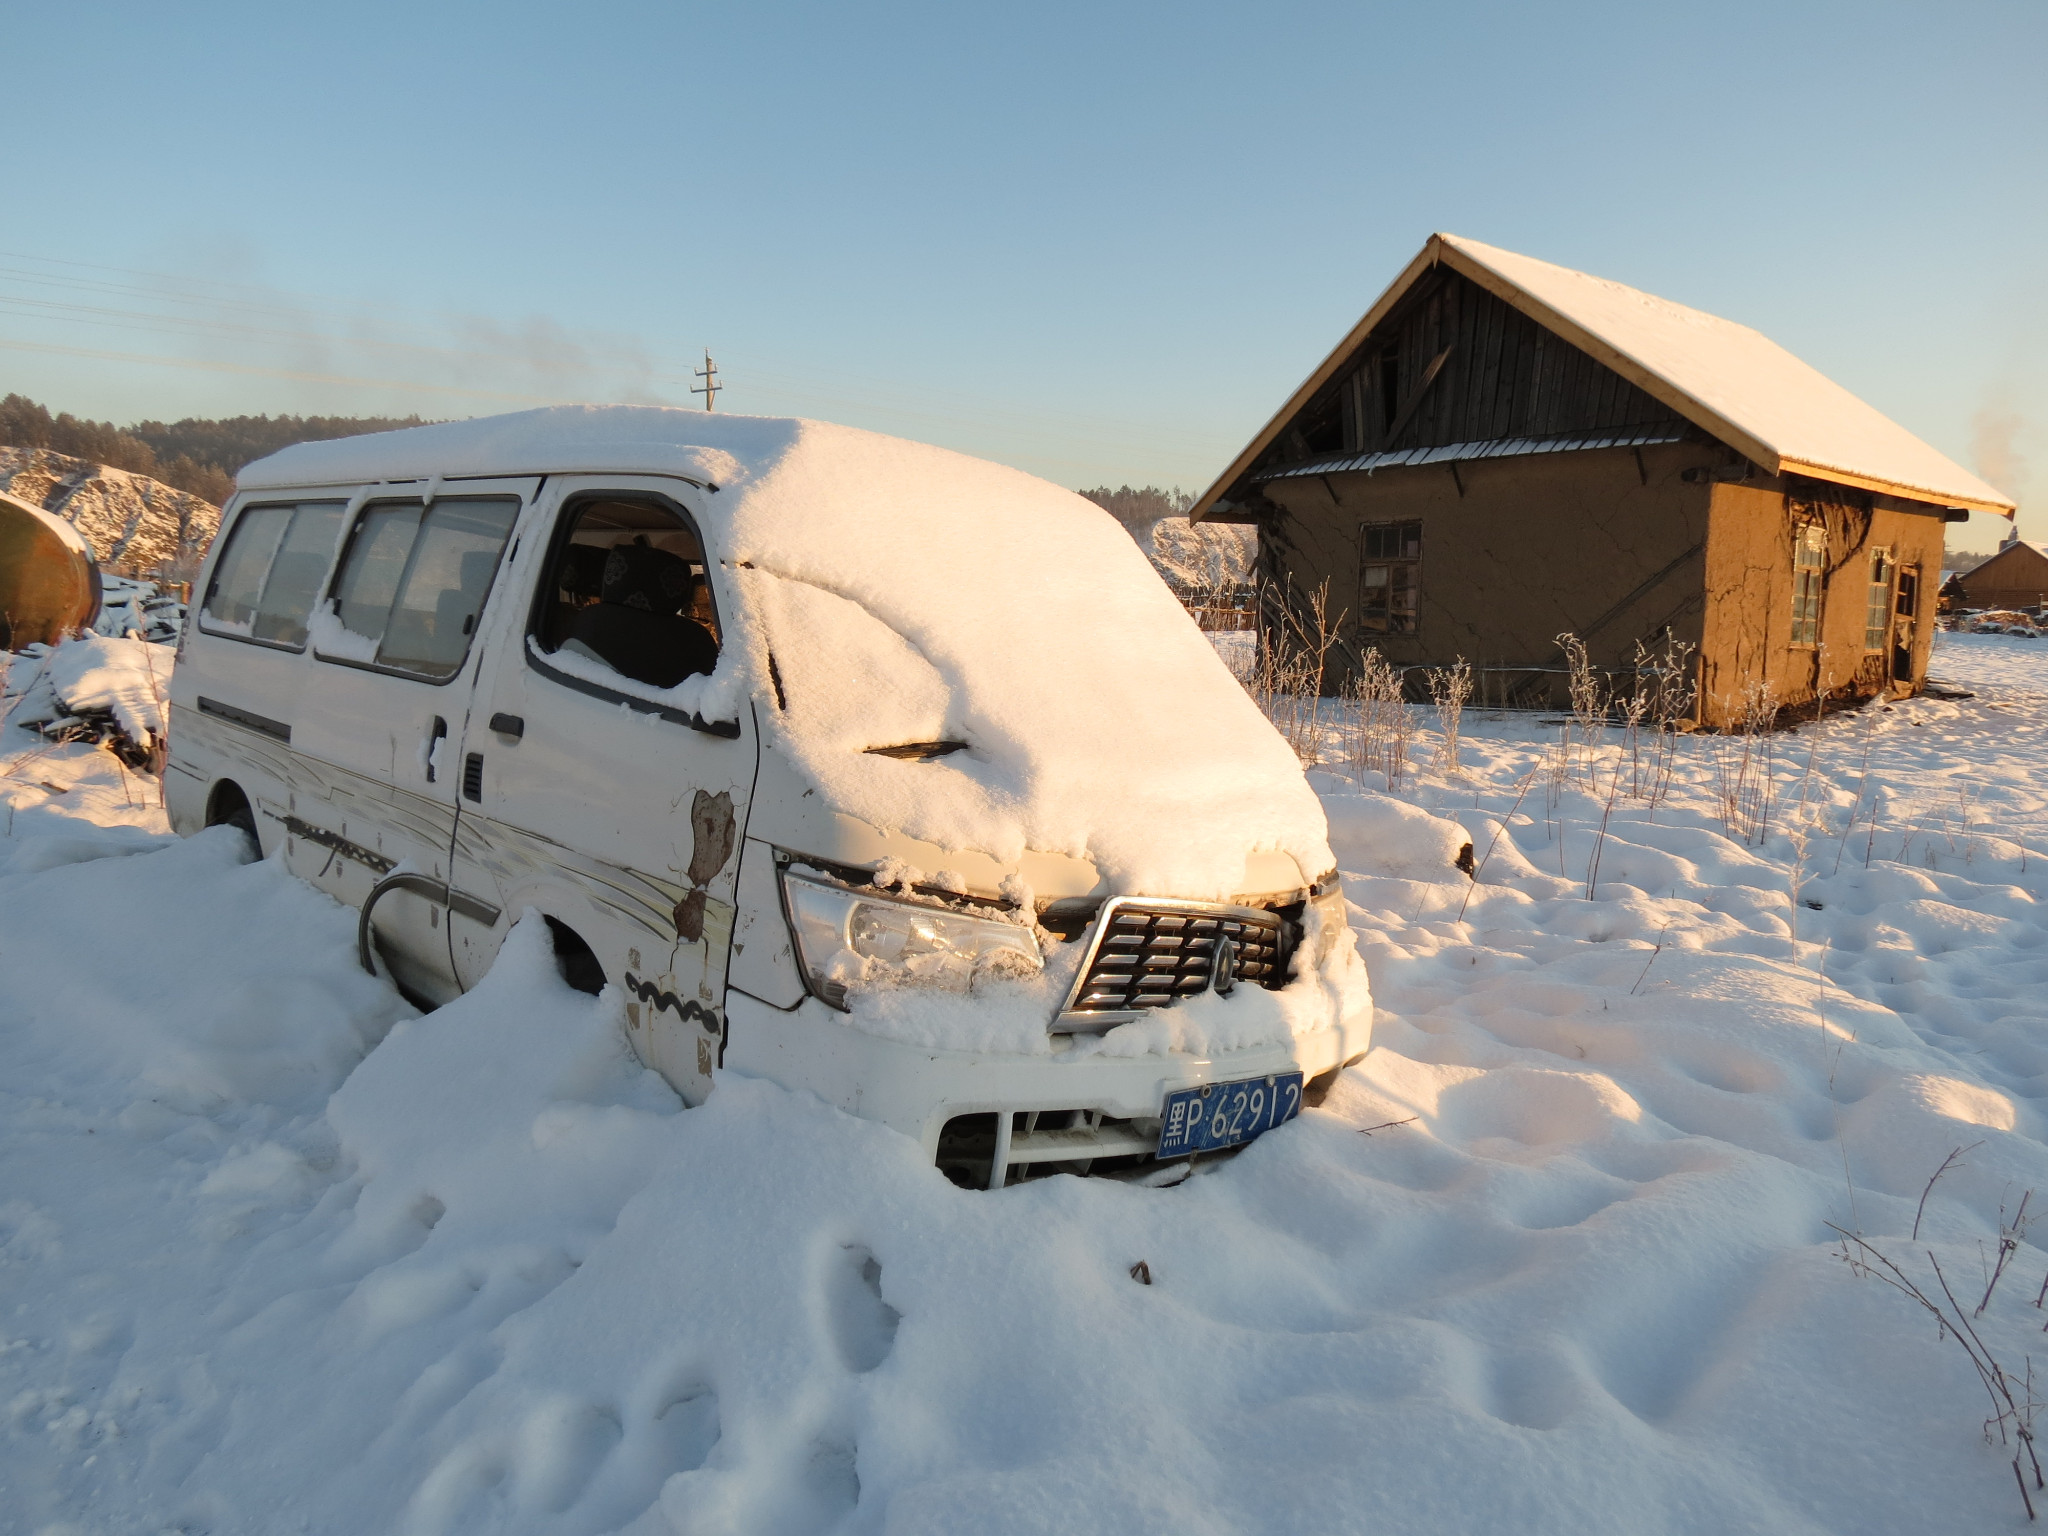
127, 679
1378, 834
1556, 1258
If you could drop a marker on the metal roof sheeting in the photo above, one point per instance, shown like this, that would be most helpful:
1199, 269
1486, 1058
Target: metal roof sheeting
1497, 448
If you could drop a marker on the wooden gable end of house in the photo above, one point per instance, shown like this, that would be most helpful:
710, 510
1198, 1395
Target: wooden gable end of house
2015, 577
1503, 453
1454, 372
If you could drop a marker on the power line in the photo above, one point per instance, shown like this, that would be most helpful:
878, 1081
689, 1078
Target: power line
211, 366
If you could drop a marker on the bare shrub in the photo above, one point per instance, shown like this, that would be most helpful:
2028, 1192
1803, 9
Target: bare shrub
1743, 783
1380, 718
1588, 725
1287, 681
2014, 1406
1449, 688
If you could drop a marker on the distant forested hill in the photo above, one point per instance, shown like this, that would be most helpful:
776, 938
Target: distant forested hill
202, 457
233, 441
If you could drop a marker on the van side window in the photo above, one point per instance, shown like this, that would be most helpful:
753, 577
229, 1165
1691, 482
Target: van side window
626, 589
414, 582
270, 573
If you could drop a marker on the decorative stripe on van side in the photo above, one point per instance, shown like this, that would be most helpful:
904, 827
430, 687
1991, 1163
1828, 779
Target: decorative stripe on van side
245, 717
335, 843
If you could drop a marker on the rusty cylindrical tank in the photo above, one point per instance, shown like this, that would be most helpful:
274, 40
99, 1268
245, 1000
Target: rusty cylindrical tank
49, 585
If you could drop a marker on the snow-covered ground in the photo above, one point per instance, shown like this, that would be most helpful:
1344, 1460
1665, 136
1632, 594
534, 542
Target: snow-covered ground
277, 1255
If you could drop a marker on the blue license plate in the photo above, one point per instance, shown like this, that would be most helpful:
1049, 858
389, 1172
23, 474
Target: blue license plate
1226, 1114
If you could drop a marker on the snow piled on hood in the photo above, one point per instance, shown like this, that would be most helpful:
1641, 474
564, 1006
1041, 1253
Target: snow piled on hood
910, 594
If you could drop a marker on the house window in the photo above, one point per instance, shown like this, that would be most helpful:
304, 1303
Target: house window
1389, 577
1809, 562
1877, 613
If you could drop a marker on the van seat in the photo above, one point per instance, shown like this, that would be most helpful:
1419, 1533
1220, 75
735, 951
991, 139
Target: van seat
637, 627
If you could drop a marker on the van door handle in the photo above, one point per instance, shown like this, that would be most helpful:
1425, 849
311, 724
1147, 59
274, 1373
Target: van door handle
435, 737
509, 725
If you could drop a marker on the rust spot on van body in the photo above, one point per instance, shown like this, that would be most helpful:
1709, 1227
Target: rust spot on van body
689, 916
713, 834
712, 825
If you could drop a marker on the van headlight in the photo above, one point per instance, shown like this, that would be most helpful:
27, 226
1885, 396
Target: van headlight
847, 937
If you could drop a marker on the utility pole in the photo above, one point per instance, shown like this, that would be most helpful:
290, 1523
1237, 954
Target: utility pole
710, 387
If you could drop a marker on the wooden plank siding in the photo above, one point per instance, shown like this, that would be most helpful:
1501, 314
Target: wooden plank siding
1506, 377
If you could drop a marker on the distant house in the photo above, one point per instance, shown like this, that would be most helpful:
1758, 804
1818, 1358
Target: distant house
2015, 577
1502, 451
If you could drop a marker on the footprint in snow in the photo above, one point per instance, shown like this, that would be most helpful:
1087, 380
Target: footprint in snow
862, 1325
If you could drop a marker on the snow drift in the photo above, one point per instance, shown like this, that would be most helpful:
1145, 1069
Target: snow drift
279, 1255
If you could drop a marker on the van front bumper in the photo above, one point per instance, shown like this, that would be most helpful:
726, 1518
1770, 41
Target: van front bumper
918, 1090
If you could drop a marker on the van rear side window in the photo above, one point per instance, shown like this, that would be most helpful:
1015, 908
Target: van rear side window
413, 584
268, 577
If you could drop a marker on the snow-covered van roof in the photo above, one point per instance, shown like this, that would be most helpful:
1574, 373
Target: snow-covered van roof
1732, 382
913, 594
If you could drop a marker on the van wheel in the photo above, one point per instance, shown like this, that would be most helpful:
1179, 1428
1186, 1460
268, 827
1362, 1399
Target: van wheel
229, 807
578, 965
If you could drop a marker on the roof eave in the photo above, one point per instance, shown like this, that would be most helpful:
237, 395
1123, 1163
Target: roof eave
1935, 498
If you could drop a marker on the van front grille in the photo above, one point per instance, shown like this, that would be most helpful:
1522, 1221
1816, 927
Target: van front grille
1149, 956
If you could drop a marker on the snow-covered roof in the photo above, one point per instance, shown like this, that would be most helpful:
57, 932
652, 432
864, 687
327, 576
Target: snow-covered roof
916, 594
1727, 379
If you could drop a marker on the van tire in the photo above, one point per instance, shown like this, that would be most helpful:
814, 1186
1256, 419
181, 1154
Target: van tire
575, 959
227, 806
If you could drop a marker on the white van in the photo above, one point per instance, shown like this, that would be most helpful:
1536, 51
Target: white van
855, 764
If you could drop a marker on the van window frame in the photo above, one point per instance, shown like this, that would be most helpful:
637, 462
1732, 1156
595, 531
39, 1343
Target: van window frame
536, 613
451, 491
224, 542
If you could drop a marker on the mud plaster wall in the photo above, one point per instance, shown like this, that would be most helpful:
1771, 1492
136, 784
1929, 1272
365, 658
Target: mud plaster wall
1533, 547
1747, 633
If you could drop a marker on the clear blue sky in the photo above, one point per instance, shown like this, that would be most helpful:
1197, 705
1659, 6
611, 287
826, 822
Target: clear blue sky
1102, 242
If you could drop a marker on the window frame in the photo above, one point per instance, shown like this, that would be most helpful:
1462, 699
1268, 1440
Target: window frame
566, 517
1809, 584
1412, 564
226, 543
1878, 607
394, 496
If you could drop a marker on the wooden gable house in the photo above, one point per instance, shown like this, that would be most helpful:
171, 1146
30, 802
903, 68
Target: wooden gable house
2015, 577
1504, 451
